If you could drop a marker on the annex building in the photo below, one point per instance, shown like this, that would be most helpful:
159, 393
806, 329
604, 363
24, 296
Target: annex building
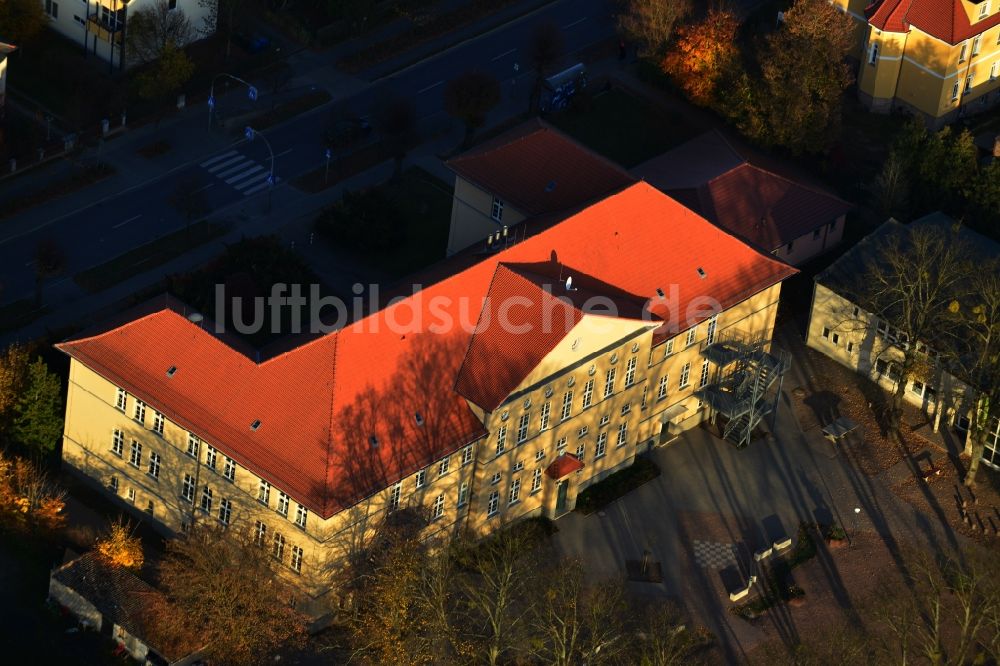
524, 373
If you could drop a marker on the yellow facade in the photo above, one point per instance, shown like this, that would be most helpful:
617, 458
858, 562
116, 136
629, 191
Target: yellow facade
924, 74
475, 214
648, 400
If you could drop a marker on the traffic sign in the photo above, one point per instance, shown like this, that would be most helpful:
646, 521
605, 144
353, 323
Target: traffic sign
253, 93
211, 101
249, 133
328, 154
270, 179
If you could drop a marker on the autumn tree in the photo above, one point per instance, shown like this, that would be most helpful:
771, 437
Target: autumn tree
803, 75
650, 23
702, 53
221, 586
119, 546
14, 363
469, 98
28, 497
152, 31
166, 77
38, 415
21, 20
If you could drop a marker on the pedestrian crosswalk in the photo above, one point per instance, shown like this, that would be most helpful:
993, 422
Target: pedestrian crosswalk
239, 172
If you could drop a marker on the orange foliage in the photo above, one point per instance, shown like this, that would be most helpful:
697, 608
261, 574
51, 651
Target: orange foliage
701, 53
28, 498
118, 547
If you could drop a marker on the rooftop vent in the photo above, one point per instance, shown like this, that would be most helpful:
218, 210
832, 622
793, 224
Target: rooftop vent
171, 370
551, 186
255, 425
569, 284
659, 292
196, 317
419, 418
701, 272
373, 441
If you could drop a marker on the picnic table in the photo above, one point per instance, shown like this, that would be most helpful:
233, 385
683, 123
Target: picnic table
839, 429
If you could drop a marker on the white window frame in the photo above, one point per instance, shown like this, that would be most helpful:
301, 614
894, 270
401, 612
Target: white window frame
437, 509
522, 427
668, 348
954, 91
211, 456
713, 326
158, 422
187, 489
501, 439
296, 562
493, 504
703, 380
496, 210
581, 451
994, 69
229, 470
225, 511
463, 493
206, 499
444, 466
601, 447
154, 465
536, 480
284, 501
194, 445
963, 51
260, 536
543, 418
264, 493
873, 53
609, 382
139, 414
692, 336
685, 376
118, 443
121, 400
467, 454
301, 516
984, 10
662, 388
976, 44
135, 454
514, 493
395, 492
588, 393
567, 407
630, 371
278, 546
420, 479
622, 433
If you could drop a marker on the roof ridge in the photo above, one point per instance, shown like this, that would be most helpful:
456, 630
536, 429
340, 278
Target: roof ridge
472, 336
806, 186
329, 433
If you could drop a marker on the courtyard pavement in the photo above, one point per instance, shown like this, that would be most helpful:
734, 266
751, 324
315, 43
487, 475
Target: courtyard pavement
714, 505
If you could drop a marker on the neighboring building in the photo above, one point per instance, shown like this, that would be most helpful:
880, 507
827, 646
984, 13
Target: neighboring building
498, 392
530, 171
938, 58
778, 214
5, 50
101, 26
867, 345
113, 601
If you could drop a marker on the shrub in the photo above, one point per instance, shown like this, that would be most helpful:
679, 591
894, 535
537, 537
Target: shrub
617, 485
367, 221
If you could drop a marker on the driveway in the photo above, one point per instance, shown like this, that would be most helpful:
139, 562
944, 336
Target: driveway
713, 505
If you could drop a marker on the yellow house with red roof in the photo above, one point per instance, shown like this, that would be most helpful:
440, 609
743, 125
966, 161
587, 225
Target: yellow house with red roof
938, 58
498, 391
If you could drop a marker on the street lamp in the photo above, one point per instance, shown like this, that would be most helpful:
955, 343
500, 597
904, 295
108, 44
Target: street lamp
251, 93
251, 134
857, 512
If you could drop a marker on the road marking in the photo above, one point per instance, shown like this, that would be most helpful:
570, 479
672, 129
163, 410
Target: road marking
243, 176
505, 53
131, 219
223, 165
241, 166
577, 22
430, 87
255, 189
202, 189
217, 158
251, 182
284, 153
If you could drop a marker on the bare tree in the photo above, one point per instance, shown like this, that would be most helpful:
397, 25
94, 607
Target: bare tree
470, 97
544, 50
650, 23
664, 639
153, 30
397, 120
891, 188
50, 260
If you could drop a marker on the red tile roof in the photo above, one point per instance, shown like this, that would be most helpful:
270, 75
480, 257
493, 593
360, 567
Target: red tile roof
563, 466
320, 404
538, 169
763, 207
944, 19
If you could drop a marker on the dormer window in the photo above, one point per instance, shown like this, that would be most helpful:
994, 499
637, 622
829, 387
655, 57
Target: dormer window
984, 9
701, 272
171, 370
255, 425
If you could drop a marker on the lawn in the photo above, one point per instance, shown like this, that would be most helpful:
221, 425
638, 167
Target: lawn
421, 204
624, 127
148, 256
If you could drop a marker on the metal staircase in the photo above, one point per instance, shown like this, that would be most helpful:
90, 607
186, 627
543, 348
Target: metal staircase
742, 391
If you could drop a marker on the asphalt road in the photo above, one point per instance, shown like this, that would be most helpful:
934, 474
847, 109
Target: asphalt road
137, 216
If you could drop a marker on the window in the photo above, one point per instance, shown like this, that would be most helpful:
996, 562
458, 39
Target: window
229, 471
117, 442
522, 427
515, 492
581, 451
630, 372
497, 209
187, 489
560, 445
467, 455
975, 44
918, 388
994, 69
661, 388
301, 516
278, 547
140, 412
296, 559
543, 419
463, 494
567, 407
968, 84
501, 439
283, 504
171, 4
704, 375
602, 445
206, 499
539, 454
954, 91
836, 339
394, 494
52, 9
626, 408
154, 465
211, 455
713, 324
443, 466
421, 478
493, 504
789, 247
984, 11
609, 383
691, 337
438, 509
850, 347
536, 480
518, 466
668, 349
193, 443
588, 393
873, 53
149, 507
225, 511
264, 492
961, 53
157, 422
260, 530
131, 495
604, 420
135, 457
622, 433
121, 400
816, 234
826, 332
582, 432
113, 485
495, 479
685, 375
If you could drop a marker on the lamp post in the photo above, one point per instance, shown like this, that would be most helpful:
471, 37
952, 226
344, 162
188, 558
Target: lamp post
857, 512
251, 134
251, 93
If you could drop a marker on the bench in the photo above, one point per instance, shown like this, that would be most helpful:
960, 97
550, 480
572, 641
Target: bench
840, 428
